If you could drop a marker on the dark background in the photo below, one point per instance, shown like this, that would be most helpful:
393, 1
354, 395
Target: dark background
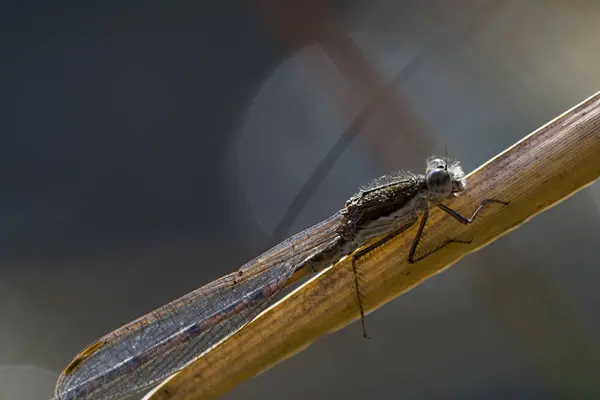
147, 148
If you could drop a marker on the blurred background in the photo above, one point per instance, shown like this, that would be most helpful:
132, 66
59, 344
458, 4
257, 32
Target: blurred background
148, 148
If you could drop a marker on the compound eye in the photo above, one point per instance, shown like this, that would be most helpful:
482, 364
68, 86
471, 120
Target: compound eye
439, 182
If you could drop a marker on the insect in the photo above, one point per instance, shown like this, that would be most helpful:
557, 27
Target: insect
160, 343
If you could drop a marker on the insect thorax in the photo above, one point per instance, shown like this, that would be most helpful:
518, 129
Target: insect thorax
394, 200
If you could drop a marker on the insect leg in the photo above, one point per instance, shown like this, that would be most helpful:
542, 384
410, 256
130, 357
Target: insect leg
355, 258
465, 220
458, 217
446, 243
415, 243
359, 299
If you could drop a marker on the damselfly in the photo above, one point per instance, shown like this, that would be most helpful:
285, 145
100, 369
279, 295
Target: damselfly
151, 348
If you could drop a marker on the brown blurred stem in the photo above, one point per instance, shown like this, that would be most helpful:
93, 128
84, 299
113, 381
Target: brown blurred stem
536, 173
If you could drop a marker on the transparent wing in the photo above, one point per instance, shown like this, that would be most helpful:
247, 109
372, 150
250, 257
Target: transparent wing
164, 341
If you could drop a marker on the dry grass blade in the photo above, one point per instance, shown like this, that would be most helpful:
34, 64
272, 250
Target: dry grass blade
544, 168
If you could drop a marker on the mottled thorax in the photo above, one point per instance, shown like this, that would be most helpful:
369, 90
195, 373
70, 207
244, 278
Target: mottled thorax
386, 199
